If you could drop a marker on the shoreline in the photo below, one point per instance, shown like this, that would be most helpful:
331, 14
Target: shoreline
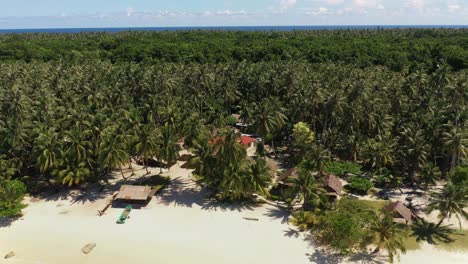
179, 225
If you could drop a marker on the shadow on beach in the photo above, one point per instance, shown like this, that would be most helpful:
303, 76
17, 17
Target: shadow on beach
185, 192
7, 221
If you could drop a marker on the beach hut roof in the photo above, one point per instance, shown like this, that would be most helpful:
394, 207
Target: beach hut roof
334, 183
134, 193
399, 208
246, 140
291, 173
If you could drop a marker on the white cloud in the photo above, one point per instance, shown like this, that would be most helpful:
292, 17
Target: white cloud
454, 7
318, 11
419, 4
332, 2
287, 4
367, 3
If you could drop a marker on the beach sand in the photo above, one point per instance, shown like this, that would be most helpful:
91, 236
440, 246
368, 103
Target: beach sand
178, 226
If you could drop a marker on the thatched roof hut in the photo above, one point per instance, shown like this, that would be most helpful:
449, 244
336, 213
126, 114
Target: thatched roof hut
132, 193
400, 212
291, 173
333, 184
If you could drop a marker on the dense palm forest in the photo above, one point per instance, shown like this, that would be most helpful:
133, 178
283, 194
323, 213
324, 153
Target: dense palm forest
88, 118
73, 108
399, 49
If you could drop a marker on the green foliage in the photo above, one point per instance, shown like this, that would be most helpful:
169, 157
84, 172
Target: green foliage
359, 185
451, 201
231, 120
303, 138
340, 168
222, 165
305, 219
388, 235
460, 175
384, 178
396, 49
302, 135
11, 195
308, 189
77, 116
348, 227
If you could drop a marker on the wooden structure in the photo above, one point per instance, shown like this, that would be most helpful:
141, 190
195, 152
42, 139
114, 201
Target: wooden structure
401, 213
135, 194
333, 186
283, 177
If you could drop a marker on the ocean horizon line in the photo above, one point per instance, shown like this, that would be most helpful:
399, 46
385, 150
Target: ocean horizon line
227, 28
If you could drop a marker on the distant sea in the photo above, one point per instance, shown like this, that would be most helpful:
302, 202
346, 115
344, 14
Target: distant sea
233, 28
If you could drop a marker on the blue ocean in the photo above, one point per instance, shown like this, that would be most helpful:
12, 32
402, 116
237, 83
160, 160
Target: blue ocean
226, 28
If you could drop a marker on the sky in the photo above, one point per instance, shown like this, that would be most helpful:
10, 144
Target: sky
172, 13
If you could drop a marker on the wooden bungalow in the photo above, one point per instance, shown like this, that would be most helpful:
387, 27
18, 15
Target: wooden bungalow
401, 213
283, 177
333, 186
135, 194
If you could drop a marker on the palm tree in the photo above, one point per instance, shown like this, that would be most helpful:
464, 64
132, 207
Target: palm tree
452, 200
148, 144
456, 142
308, 189
268, 118
72, 174
388, 235
429, 175
113, 152
169, 148
49, 150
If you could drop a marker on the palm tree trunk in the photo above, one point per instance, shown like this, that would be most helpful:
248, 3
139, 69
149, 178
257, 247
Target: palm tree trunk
440, 222
121, 171
273, 146
130, 166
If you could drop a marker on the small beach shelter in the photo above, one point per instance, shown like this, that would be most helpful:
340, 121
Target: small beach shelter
135, 194
401, 213
333, 184
291, 173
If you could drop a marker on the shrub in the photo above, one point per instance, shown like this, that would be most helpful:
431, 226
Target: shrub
460, 175
347, 227
360, 185
304, 220
340, 168
11, 195
231, 120
385, 178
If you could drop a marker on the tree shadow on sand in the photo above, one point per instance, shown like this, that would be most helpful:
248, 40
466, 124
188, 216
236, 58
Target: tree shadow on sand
368, 257
184, 192
7, 221
214, 205
325, 257
292, 233
278, 213
432, 233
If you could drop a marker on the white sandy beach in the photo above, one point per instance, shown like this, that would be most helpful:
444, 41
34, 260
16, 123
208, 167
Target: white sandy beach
178, 226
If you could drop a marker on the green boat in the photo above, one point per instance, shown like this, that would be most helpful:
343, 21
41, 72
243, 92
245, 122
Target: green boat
124, 214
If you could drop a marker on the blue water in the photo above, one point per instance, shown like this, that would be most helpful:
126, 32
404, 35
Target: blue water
239, 28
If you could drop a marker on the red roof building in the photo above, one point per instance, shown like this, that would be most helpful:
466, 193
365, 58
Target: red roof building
246, 140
